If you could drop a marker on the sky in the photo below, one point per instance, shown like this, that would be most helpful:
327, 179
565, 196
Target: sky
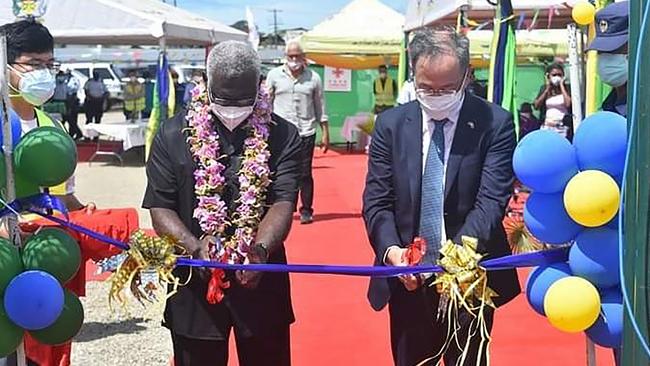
291, 13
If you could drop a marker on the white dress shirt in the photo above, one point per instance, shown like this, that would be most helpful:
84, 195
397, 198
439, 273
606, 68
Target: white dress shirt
428, 126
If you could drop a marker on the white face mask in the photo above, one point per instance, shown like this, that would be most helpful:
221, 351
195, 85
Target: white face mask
231, 116
440, 106
294, 65
612, 68
36, 86
556, 80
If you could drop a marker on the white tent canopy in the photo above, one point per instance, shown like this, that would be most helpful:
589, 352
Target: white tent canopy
364, 34
424, 12
127, 22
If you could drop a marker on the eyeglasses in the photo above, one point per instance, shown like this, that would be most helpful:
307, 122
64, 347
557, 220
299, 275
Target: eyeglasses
52, 66
440, 92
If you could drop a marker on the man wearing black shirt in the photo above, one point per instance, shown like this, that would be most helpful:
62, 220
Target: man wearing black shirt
257, 306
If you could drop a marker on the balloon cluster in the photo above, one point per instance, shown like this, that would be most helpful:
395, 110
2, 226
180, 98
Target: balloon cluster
44, 157
33, 298
575, 202
31, 278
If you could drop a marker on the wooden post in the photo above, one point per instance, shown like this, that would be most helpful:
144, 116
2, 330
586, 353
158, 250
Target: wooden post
10, 220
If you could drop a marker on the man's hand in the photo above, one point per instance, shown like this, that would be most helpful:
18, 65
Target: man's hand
251, 279
397, 257
199, 249
325, 143
325, 140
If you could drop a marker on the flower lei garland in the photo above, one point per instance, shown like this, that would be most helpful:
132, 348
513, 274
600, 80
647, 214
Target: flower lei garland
253, 177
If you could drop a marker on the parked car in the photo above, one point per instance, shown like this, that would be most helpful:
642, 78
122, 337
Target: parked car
110, 76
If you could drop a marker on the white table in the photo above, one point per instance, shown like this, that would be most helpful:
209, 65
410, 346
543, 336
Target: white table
131, 134
351, 131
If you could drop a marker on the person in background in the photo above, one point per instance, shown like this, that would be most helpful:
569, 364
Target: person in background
133, 98
527, 120
296, 93
31, 81
385, 90
72, 106
554, 102
96, 94
611, 42
179, 91
475, 87
198, 78
406, 93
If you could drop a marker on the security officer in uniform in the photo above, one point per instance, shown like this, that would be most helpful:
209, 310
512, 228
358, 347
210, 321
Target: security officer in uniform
612, 27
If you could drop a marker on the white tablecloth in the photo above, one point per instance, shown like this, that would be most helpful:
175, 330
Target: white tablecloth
131, 134
353, 134
351, 124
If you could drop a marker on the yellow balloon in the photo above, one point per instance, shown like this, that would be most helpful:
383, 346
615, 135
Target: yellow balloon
572, 304
583, 13
592, 198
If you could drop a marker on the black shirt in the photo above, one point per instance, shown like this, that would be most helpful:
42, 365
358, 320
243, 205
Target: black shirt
170, 170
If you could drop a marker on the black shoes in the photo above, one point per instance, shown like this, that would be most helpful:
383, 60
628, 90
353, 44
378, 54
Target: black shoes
306, 218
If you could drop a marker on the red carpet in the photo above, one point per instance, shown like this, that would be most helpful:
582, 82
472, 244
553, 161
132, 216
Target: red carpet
336, 326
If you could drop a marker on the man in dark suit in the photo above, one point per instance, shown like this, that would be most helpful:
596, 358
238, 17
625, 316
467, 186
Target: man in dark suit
439, 168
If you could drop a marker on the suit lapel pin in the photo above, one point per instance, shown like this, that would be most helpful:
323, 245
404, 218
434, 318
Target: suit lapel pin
470, 124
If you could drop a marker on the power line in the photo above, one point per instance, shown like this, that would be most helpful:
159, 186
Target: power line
275, 24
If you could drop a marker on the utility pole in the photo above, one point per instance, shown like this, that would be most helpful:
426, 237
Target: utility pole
275, 24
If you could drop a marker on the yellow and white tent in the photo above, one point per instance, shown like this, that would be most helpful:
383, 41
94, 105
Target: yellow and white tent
363, 35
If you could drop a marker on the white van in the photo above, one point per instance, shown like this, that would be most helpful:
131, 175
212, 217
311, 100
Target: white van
110, 75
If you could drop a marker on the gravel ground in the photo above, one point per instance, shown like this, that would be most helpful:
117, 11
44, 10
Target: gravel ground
118, 338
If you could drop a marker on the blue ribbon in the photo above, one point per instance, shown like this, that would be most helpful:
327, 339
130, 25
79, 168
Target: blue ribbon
508, 262
40, 204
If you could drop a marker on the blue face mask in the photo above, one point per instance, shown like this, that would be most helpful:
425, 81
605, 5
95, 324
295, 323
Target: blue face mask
612, 68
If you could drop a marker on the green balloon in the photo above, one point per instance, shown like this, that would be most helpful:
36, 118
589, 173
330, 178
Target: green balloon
10, 264
54, 251
10, 334
47, 156
24, 187
66, 326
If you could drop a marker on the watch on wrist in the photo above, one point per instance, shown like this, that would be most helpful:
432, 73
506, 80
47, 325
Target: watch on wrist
262, 250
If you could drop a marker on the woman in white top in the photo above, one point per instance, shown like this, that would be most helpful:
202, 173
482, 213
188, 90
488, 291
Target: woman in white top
554, 102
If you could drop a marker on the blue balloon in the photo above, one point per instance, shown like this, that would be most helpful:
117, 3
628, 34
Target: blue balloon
16, 128
545, 161
547, 219
34, 300
540, 279
594, 257
601, 143
607, 331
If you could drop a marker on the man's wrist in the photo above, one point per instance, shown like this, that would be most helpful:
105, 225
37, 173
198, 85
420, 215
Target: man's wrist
385, 258
260, 251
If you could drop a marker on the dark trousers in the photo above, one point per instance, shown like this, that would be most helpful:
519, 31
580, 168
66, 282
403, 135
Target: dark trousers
94, 109
307, 180
261, 350
416, 334
72, 114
